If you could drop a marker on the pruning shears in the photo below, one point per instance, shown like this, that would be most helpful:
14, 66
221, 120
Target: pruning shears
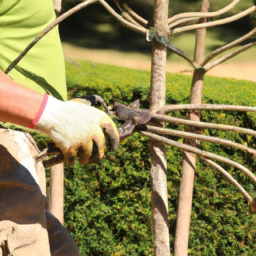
132, 114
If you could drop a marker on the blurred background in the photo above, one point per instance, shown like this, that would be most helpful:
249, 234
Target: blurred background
93, 34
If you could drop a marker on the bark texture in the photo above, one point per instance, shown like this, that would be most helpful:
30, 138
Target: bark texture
189, 160
57, 192
158, 159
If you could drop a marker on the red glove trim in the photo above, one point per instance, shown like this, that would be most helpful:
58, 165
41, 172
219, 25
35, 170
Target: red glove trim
40, 111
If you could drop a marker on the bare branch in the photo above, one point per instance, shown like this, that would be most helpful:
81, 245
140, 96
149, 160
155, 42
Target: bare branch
48, 29
229, 46
169, 108
127, 15
230, 178
122, 20
203, 15
169, 119
229, 56
135, 15
214, 23
189, 135
184, 22
200, 152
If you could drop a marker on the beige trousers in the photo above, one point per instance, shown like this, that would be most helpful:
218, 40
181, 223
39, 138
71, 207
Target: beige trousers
26, 227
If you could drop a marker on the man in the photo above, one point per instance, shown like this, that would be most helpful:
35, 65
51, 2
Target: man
25, 225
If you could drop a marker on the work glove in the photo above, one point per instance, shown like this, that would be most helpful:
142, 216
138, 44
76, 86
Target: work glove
76, 129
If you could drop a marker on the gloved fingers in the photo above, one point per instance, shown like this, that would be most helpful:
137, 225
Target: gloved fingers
95, 158
111, 133
100, 144
70, 156
85, 152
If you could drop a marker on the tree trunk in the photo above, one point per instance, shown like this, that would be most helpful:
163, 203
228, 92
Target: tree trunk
158, 159
189, 160
57, 192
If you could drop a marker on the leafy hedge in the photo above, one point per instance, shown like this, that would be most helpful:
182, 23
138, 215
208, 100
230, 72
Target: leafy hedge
108, 206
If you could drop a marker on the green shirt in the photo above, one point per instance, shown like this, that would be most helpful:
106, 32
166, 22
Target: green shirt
20, 22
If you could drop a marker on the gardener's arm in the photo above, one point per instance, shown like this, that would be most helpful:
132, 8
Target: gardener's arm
74, 127
18, 104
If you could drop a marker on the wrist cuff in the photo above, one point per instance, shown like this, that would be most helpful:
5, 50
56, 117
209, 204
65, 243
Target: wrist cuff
40, 111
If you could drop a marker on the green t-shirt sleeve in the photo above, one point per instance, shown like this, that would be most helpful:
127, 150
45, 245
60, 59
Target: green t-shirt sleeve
20, 22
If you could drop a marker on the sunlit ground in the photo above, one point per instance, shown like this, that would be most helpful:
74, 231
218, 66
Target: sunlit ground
239, 67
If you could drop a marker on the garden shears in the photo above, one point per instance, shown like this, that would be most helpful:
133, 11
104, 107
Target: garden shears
131, 114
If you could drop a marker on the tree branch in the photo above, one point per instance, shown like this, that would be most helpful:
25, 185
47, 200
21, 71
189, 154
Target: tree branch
203, 15
229, 56
127, 15
135, 15
126, 23
229, 46
200, 152
184, 22
189, 135
48, 29
169, 119
214, 23
169, 108
230, 178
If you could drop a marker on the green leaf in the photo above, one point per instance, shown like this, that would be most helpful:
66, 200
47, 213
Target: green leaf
40, 81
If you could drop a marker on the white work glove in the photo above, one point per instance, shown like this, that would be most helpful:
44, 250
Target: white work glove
78, 130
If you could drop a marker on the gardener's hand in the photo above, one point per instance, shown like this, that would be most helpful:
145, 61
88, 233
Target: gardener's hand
77, 129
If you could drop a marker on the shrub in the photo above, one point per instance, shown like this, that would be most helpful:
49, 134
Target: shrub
108, 205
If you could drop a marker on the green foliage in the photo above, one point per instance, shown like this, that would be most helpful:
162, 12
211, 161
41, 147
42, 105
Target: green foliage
108, 206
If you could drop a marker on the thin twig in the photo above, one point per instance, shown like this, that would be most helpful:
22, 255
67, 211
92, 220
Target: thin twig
48, 29
229, 56
200, 152
229, 46
135, 15
184, 22
190, 135
122, 20
230, 178
127, 15
203, 15
169, 108
214, 23
169, 119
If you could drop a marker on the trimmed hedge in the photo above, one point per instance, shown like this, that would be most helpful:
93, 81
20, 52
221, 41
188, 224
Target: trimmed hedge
108, 206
